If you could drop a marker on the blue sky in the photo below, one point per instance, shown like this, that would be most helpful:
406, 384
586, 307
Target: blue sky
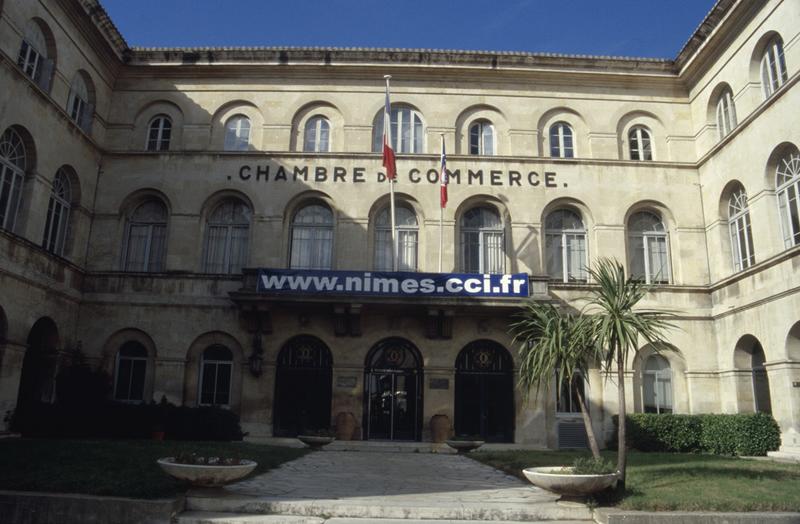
645, 28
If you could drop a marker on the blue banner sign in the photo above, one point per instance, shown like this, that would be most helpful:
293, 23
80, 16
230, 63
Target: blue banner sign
398, 284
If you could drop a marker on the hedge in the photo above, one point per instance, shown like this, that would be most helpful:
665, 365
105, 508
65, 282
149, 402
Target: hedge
742, 434
116, 420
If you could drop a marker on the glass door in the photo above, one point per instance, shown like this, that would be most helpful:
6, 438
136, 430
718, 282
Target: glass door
392, 405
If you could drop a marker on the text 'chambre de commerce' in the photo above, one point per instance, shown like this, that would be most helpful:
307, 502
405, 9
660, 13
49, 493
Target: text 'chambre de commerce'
304, 173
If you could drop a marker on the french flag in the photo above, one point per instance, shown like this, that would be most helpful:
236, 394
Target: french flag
444, 179
388, 152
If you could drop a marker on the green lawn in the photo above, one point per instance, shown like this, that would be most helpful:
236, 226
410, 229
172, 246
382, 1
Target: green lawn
114, 467
679, 481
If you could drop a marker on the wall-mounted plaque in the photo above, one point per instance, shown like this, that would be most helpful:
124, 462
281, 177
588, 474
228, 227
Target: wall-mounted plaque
345, 381
439, 383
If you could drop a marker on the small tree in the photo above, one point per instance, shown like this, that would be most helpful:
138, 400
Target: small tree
554, 343
616, 329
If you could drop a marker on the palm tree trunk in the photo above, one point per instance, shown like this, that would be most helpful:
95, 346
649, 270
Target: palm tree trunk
621, 437
587, 421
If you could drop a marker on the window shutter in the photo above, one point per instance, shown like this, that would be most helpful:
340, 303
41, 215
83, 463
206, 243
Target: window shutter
572, 435
46, 74
86, 117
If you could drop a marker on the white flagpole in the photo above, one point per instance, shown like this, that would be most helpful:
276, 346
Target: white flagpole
387, 122
441, 215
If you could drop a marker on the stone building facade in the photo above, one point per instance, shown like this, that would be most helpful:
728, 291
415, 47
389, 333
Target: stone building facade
141, 189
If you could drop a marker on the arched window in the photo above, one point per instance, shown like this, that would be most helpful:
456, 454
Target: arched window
726, 113
12, 173
55, 228
648, 249
227, 237
561, 144
481, 138
741, 235
773, 67
787, 180
406, 129
146, 236
482, 241
216, 368
33, 58
312, 238
237, 133
657, 385
78, 107
407, 238
130, 373
640, 143
565, 246
159, 133
317, 135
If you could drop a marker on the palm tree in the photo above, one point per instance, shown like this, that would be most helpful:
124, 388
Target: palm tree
554, 342
617, 326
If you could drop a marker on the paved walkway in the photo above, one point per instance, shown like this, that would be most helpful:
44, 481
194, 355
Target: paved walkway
380, 485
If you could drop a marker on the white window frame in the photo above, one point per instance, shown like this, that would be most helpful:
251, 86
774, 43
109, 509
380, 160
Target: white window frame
483, 232
229, 228
484, 128
237, 134
159, 143
646, 237
559, 129
13, 163
401, 115
130, 378
664, 375
56, 231
787, 181
773, 67
318, 122
639, 131
740, 231
148, 245
726, 114
565, 253
216, 364
320, 234
407, 242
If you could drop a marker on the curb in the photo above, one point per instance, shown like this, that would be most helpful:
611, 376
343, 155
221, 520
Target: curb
611, 516
20, 507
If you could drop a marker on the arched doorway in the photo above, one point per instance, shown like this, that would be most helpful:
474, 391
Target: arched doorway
753, 387
37, 382
393, 391
303, 381
485, 392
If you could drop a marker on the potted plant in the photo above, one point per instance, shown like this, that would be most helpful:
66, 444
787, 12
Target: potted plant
204, 471
584, 477
317, 438
553, 341
465, 443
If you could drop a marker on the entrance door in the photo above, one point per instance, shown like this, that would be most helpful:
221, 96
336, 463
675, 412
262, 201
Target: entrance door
303, 381
392, 388
485, 392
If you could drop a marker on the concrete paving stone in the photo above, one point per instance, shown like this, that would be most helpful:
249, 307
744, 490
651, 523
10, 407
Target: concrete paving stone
206, 517
385, 485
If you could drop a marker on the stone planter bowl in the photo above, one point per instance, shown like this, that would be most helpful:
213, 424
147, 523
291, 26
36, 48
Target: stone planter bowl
206, 475
464, 446
314, 441
560, 480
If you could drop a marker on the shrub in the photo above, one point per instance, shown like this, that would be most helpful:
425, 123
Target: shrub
592, 466
116, 420
741, 434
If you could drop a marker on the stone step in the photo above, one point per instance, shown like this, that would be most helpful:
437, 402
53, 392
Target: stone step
202, 517
403, 509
